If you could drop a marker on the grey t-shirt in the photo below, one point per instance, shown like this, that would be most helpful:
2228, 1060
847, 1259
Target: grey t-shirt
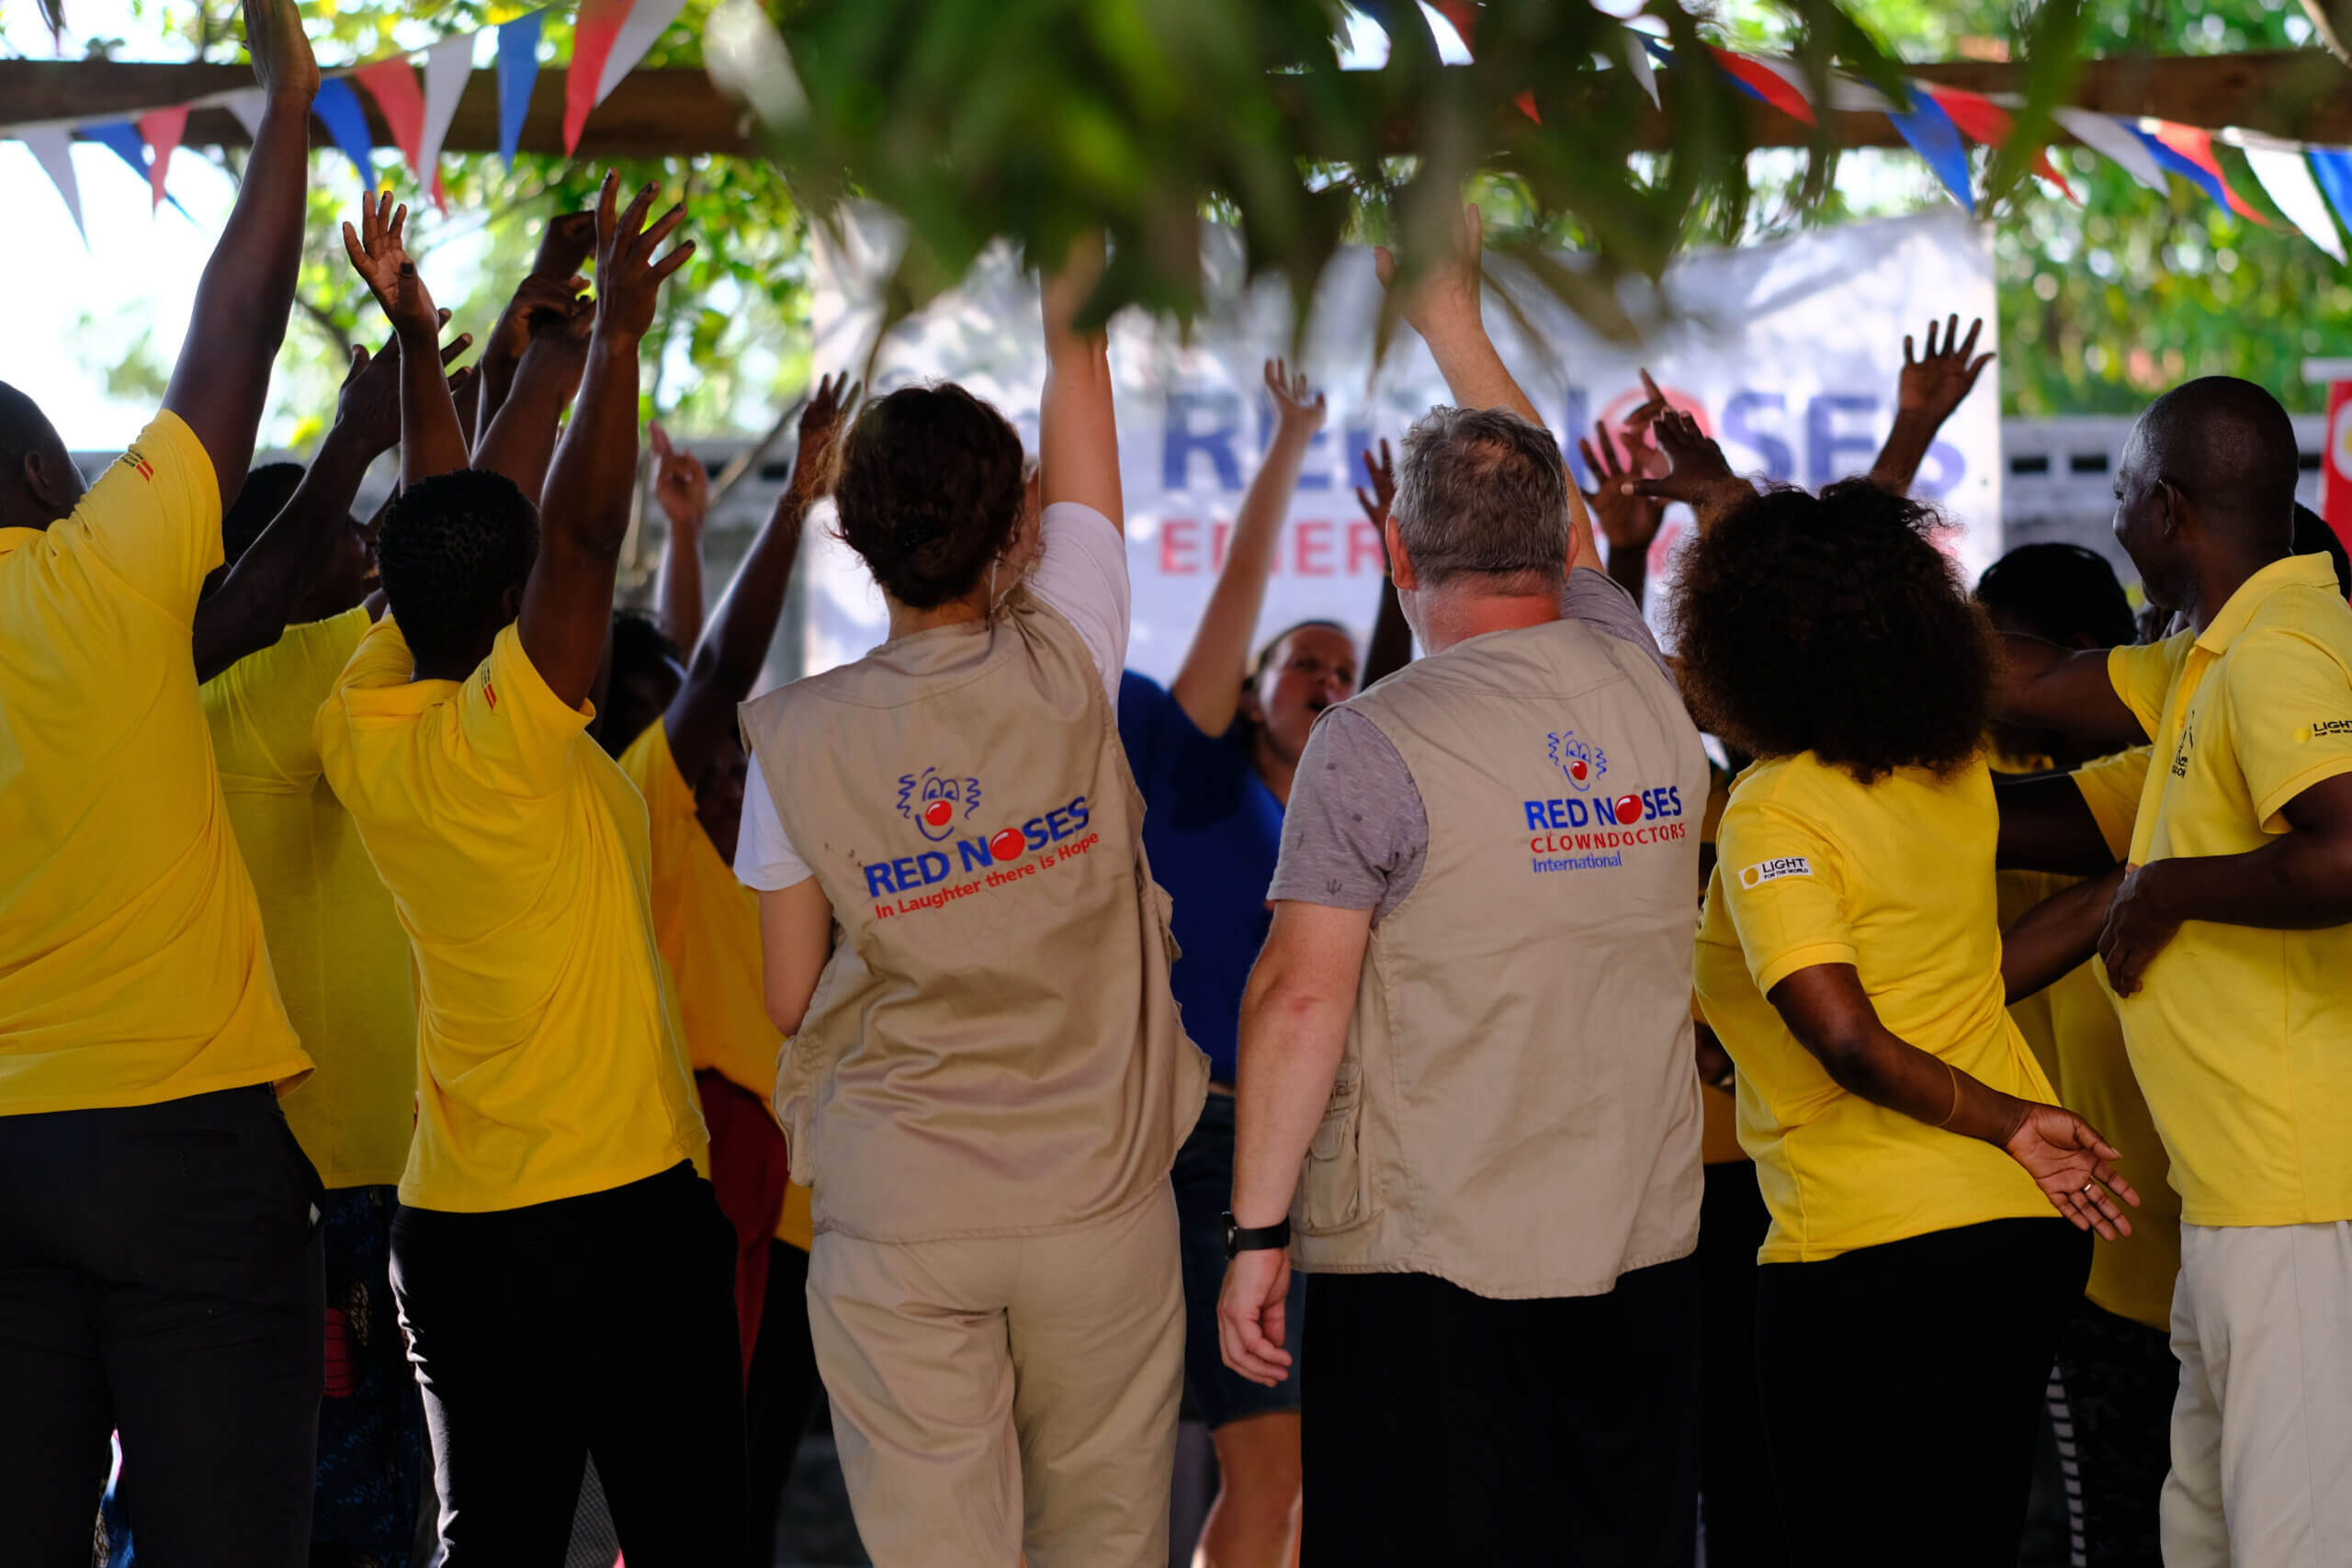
1354, 833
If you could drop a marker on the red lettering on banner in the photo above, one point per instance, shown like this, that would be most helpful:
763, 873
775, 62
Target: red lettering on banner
1179, 534
1314, 547
1364, 551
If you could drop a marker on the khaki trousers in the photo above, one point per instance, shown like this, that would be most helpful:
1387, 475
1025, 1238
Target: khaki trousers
2262, 1430
1007, 1394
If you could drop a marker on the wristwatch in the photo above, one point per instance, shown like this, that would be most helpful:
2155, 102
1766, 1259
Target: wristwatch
1264, 1238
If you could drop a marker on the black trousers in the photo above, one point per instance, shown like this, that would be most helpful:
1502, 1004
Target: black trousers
2118, 1379
1735, 1496
603, 1324
1903, 1387
1443, 1427
780, 1397
160, 1275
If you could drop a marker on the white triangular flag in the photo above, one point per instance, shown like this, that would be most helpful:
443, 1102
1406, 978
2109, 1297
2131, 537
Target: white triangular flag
448, 66
53, 148
247, 105
646, 22
1637, 60
2103, 133
2283, 173
1847, 96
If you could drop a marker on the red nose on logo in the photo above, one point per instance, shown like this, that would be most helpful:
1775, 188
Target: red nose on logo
938, 813
1008, 843
1577, 770
1628, 807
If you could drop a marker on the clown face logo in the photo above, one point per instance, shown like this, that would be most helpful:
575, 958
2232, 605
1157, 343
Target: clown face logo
934, 801
1581, 763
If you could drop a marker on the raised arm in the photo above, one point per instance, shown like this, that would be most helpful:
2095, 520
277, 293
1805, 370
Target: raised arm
222, 376
1208, 687
2044, 686
584, 517
1697, 473
1629, 521
681, 487
1826, 1009
263, 589
1931, 389
1391, 647
1078, 430
1443, 307
432, 441
565, 245
728, 655
521, 439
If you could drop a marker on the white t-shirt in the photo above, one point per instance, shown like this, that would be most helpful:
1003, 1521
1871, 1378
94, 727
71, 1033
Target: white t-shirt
1081, 572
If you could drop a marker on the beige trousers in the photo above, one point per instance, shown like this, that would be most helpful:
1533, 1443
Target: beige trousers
2262, 1429
1007, 1394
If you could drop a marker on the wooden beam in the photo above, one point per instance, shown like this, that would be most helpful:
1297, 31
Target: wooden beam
2303, 94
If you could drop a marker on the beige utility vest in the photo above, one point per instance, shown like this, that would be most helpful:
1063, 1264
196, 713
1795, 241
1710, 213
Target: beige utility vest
1517, 1110
992, 1048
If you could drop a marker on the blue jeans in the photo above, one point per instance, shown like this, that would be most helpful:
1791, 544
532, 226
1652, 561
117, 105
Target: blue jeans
1204, 1178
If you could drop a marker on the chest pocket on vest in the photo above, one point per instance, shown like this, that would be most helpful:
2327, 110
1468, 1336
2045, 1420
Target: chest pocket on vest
1335, 1193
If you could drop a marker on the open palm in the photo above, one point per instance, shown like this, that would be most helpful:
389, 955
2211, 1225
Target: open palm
379, 252
2075, 1167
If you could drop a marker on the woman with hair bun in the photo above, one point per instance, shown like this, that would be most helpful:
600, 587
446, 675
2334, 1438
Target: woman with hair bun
1913, 1281
984, 1082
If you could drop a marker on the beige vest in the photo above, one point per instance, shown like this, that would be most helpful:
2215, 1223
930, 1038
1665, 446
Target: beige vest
1517, 1110
993, 1049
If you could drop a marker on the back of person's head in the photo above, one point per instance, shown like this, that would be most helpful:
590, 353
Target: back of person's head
646, 669
266, 490
2228, 446
930, 491
1481, 495
2312, 536
1832, 624
2061, 593
452, 548
39, 482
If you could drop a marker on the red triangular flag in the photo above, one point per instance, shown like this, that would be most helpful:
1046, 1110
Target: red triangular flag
1981, 120
1463, 14
592, 32
2197, 146
393, 86
162, 131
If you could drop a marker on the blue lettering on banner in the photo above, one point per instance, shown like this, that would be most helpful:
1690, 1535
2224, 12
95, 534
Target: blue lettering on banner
1181, 438
1780, 463
1824, 442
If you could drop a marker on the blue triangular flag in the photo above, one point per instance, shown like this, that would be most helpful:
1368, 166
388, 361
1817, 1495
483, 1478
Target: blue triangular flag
338, 110
122, 139
518, 71
1933, 136
2332, 166
2173, 163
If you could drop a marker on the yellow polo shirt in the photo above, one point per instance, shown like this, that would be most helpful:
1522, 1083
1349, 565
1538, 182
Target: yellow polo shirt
707, 927
1895, 878
336, 945
2241, 1036
132, 968
517, 854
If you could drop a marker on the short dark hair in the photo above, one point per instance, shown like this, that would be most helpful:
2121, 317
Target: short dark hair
2061, 593
1481, 492
2312, 536
2228, 445
930, 491
22, 425
639, 645
266, 491
1266, 654
1833, 624
450, 547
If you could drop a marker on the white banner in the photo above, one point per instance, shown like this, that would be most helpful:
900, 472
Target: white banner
1788, 352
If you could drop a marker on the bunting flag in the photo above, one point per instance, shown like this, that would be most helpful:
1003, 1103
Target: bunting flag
162, 131
338, 110
1637, 60
122, 139
2286, 180
2186, 150
2124, 146
518, 70
448, 66
1766, 81
1932, 135
2332, 167
1981, 120
393, 86
248, 106
53, 148
1460, 14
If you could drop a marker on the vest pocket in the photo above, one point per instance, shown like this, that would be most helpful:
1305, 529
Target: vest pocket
1335, 1192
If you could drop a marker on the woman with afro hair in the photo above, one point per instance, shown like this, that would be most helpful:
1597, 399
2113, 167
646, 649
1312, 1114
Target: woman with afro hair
1913, 1282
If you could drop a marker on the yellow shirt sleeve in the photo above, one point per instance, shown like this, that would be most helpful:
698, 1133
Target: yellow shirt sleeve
2289, 699
519, 732
154, 518
2142, 675
1784, 883
265, 704
2111, 788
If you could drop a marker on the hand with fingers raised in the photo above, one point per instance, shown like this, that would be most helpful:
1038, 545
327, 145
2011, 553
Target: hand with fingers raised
1697, 474
628, 277
379, 252
822, 423
1383, 494
1629, 520
1935, 383
2074, 1166
681, 483
565, 245
1446, 295
1298, 407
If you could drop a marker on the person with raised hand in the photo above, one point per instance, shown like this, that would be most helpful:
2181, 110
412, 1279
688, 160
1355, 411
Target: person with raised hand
1214, 755
158, 1220
565, 245
985, 1082
681, 487
563, 1272
1930, 390
690, 765
1481, 939
1390, 647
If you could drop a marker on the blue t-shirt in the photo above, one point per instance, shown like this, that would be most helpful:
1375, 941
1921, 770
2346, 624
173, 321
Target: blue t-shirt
1214, 831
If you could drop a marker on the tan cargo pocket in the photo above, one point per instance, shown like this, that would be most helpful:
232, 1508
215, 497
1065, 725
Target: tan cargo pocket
1163, 910
1335, 1192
